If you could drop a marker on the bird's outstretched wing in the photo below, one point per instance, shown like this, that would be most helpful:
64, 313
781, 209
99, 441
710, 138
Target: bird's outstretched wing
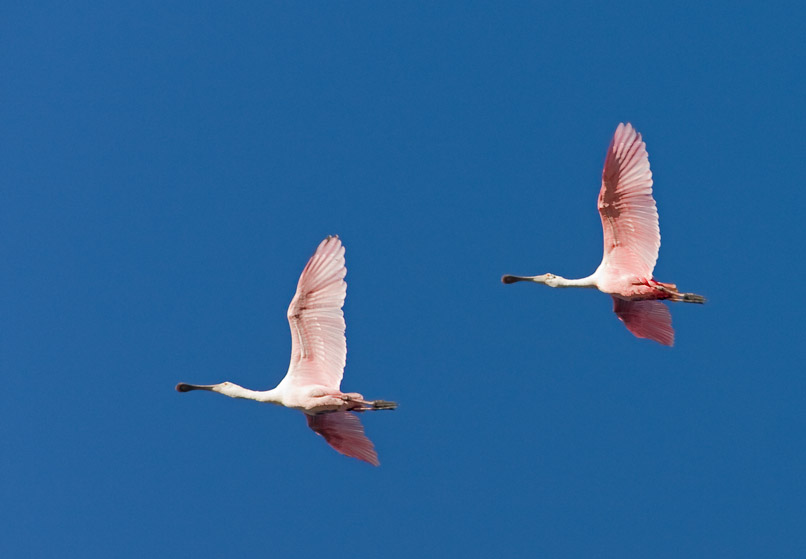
646, 319
343, 431
318, 345
628, 211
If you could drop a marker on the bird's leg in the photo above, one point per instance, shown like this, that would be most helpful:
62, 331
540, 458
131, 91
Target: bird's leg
383, 405
663, 288
675, 295
376, 405
367, 405
687, 298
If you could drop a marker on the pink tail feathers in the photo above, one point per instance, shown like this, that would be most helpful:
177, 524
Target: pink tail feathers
343, 431
646, 319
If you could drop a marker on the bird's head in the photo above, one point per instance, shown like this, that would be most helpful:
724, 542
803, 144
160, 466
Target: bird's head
549, 279
226, 388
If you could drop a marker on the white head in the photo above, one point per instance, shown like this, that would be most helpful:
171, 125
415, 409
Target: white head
548, 279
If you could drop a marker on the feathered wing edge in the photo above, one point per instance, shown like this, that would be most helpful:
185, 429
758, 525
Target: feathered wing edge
343, 431
646, 319
626, 206
318, 343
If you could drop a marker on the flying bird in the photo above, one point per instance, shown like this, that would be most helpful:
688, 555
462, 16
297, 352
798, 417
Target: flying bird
631, 243
318, 354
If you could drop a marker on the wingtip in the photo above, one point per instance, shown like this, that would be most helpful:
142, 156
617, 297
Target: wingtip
625, 131
330, 245
330, 239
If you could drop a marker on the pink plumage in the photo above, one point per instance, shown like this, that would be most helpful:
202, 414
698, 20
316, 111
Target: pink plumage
318, 354
318, 344
343, 431
646, 319
628, 212
631, 243
319, 350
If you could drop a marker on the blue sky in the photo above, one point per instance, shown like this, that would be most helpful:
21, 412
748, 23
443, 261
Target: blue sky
168, 169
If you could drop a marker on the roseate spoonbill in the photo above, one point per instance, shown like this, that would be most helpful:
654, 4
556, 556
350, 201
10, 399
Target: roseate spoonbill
631, 243
318, 352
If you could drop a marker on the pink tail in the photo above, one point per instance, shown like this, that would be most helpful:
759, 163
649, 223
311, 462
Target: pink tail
646, 319
343, 431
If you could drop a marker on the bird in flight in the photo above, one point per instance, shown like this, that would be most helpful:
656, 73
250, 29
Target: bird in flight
631, 243
318, 353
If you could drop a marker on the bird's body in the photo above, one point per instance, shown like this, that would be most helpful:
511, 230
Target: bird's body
318, 353
631, 243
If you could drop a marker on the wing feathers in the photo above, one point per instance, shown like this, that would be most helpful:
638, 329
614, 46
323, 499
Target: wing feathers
646, 319
343, 431
627, 208
318, 345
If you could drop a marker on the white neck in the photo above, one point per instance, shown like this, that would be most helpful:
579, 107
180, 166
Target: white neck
235, 391
559, 281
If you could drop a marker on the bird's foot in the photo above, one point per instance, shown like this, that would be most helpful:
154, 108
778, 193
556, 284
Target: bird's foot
692, 298
383, 405
364, 405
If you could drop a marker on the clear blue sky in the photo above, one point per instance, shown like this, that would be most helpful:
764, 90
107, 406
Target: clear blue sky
167, 169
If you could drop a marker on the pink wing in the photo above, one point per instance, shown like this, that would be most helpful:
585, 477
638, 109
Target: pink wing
318, 345
343, 431
646, 319
628, 211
